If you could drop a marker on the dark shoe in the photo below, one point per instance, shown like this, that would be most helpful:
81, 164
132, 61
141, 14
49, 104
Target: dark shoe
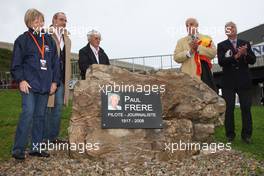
40, 154
230, 139
19, 156
246, 140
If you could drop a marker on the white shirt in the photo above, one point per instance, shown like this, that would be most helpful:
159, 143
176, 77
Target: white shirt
60, 39
96, 52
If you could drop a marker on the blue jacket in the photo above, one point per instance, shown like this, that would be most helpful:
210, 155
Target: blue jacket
26, 62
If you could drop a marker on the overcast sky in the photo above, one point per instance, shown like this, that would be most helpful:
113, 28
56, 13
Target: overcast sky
134, 27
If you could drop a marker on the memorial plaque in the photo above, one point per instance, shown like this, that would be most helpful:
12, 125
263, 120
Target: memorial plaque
131, 110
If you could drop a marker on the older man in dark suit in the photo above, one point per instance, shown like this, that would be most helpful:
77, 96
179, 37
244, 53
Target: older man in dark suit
92, 53
234, 55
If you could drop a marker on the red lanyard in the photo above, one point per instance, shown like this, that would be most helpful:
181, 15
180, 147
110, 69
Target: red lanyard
41, 50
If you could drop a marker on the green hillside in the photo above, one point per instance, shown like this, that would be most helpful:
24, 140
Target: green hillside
5, 59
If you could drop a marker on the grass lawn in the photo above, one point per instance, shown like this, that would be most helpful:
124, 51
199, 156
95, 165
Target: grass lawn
10, 107
257, 147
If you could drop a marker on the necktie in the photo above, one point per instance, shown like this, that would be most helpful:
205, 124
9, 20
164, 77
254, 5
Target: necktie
234, 44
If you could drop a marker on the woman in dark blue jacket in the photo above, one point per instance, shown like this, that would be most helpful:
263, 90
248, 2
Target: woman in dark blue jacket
35, 67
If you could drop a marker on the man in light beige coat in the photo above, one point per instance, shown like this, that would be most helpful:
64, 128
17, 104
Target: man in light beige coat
56, 101
195, 52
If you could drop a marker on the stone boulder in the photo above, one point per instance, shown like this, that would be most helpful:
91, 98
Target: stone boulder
190, 112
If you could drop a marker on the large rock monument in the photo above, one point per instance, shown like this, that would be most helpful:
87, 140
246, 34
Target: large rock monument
190, 113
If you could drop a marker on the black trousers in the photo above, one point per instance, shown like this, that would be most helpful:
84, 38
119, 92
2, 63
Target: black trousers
207, 76
245, 105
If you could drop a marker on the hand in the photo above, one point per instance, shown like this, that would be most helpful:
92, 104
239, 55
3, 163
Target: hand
53, 88
24, 87
194, 45
243, 50
237, 56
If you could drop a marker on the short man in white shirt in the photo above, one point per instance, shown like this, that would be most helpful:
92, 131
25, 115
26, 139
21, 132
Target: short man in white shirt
92, 53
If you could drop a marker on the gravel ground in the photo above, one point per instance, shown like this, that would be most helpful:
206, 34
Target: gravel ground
219, 163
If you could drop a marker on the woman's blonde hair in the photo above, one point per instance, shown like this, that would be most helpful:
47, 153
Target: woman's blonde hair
31, 15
